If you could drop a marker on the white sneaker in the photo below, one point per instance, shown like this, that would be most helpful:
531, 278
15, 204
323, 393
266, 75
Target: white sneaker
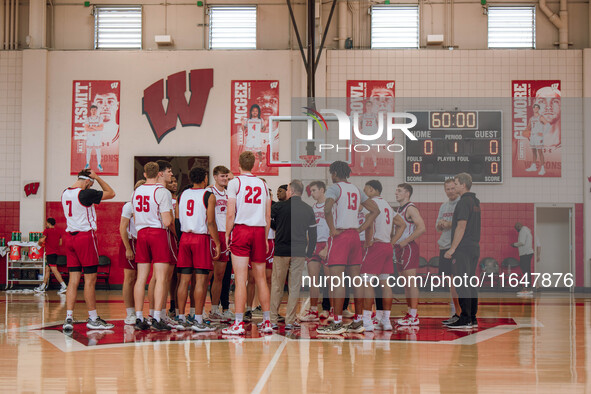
234, 329
310, 315
532, 167
40, 288
368, 327
216, 317
65, 288
228, 315
542, 171
386, 325
347, 314
130, 320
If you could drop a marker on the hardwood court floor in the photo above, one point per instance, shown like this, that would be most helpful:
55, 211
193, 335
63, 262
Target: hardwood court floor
521, 346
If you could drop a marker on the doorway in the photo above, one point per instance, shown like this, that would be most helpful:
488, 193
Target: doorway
554, 233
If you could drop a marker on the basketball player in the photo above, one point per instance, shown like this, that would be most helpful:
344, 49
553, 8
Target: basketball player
128, 235
548, 98
252, 129
536, 127
108, 108
344, 245
220, 175
247, 221
82, 254
173, 236
317, 190
152, 204
196, 211
52, 240
377, 261
407, 251
443, 225
94, 140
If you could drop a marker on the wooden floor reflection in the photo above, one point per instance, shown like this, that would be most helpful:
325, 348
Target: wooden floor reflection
546, 351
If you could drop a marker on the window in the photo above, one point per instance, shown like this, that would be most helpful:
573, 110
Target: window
394, 26
512, 27
117, 27
232, 27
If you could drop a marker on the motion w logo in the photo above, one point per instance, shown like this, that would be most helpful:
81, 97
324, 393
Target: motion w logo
164, 121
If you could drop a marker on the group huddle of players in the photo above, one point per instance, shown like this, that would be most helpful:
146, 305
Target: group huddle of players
358, 233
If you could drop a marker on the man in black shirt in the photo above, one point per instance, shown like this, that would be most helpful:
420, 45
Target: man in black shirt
295, 239
465, 250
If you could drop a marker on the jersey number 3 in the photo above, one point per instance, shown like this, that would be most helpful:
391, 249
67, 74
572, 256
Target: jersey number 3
143, 203
249, 198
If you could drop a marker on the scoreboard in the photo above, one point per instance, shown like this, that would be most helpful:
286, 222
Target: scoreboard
450, 142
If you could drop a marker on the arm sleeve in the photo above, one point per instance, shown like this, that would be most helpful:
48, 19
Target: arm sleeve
333, 192
90, 196
463, 210
206, 198
233, 188
164, 199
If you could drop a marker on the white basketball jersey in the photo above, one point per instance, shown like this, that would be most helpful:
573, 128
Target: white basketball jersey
78, 217
382, 226
322, 231
193, 212
254, 127
369, 123
410, 226
146, 208
127, 212
251, 196
347, 206
221, 206
361, 220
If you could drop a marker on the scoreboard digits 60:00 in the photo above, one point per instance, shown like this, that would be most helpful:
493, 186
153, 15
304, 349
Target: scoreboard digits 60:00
450, 142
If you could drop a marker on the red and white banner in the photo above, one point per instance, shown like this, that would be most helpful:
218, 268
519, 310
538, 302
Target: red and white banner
370, 98
537, 150
252, 104
95, 126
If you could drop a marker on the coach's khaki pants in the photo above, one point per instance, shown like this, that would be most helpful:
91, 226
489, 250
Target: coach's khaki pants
281, 266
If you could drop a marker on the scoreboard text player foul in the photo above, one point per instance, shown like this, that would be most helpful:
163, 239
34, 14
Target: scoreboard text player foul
451, 142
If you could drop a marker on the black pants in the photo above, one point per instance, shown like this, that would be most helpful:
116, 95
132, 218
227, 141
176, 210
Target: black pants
525, 265
226, 283
464, 262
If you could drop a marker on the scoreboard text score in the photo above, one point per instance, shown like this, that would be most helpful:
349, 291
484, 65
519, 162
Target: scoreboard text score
451, 142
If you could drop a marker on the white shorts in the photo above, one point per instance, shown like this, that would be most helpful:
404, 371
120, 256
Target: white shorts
536, 140
94, 139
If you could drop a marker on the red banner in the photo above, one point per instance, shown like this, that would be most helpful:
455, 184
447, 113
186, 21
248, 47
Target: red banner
252, 104
95, 126
537, 150
371, 98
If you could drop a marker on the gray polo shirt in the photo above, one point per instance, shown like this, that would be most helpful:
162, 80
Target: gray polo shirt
525, 242
446, 212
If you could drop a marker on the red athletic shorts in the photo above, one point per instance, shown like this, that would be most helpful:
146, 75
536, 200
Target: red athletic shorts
247, 241
270, 254
123, 262
319, 248
152, 246
224, 251
172, 247
195, 252
377, 259
345, 249
407, 258
81, 249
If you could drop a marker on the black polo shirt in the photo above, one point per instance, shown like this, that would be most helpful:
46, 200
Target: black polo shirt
468, 208
295, 228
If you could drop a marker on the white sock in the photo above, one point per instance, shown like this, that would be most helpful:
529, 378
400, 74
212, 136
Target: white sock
215, 308
413, 312
98, 156
199, 319
453, 308
239, 317
88, 154
385, 316
130, 311
266, 316
379, 315
64, 284
182, 318
248, 309
139, 315
192, 311
93, 315
152, 312
69, 314
157, 315
367, 318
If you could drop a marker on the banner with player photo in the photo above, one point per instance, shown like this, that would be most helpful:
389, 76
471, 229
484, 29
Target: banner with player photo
252, 104
95, 126
371, 98
537, 150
